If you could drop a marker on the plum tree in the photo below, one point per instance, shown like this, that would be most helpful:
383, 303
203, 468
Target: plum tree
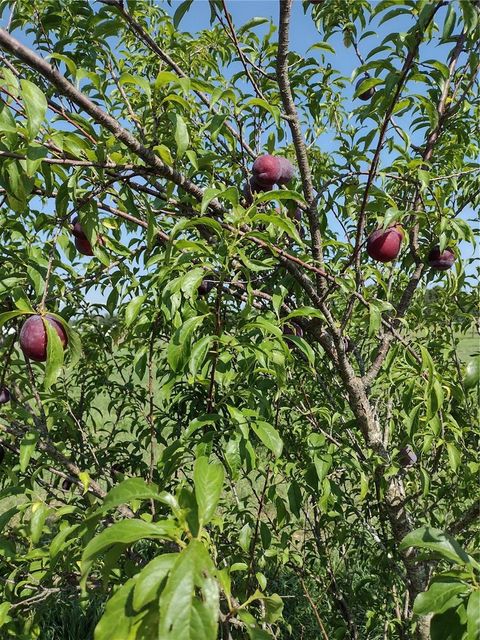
441, 260
33, 336
385, 245
244, 439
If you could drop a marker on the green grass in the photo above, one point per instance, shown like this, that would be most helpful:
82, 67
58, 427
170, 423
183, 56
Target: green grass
468, 346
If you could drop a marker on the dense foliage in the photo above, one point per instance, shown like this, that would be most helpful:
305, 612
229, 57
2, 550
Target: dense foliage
256, 429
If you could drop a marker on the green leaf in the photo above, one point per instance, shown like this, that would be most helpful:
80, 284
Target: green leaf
254, 22
447, 626
375, 319
182, 138
4, 609
135, 489
310, 312
6, 516
150, 578
269, 436
283, 224
133, 309
54, 355
263, 104
454, 456
473, 615
27, 447
180, 12
40, 512
273, 608
208, 195
114, 622
179, 345
189, 604
143, 83
164, 153
85, 479
437, 541
60, 540
35, 106
126, 532
208, 480
439, 597
9, 315
74, 341
281, 194
199, 353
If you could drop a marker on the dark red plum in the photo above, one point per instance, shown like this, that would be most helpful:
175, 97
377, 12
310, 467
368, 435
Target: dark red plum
83, 246
267, 170
385, 245
441, 261
287, 171
293, 329
205, 287
33, 336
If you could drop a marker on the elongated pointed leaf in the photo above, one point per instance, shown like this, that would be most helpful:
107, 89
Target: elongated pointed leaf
437, 541
133, 309
126, 532
135, 489
35, 106
184, 614
208, 479
439, 597
150, 578
473, 614
269, 436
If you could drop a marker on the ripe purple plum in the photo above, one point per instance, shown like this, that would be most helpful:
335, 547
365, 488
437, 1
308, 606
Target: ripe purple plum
287, 171
385, 245
267, 170
293, 329
441, 260
82, 243
33, 336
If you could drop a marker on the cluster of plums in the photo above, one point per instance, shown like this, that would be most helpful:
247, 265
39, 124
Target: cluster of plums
268, 171
385, 245
82, 243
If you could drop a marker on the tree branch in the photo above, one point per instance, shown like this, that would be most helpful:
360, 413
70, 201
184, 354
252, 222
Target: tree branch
297, 135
